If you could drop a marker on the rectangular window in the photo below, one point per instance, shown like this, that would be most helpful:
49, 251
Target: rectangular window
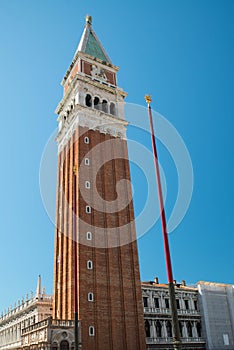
89, 265
195, 304
226, 339
87, 185
91, 331
90, 297
178, 303
89, 236
186, 303
88, 209
156, 303
167, 303
145, 301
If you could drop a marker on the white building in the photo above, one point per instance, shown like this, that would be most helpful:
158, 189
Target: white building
217, 310
29, 325
157, 315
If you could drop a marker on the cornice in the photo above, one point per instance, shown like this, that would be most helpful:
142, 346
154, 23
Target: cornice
94, 120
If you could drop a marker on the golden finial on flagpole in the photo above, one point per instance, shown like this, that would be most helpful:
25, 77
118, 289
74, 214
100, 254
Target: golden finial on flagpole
148, 99
75, 170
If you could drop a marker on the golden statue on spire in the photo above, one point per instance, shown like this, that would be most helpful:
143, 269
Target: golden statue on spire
89, 19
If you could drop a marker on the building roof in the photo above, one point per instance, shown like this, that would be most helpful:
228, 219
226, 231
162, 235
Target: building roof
215, 284
164, 285
90, 44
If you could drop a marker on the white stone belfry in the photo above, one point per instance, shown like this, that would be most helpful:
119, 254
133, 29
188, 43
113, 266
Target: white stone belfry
92, 97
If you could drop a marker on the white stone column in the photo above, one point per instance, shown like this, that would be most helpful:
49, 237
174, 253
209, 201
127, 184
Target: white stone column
153, 333
164, 330
185, 330
194, 329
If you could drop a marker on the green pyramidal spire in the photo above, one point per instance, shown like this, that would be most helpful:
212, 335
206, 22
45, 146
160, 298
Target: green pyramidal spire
90, 44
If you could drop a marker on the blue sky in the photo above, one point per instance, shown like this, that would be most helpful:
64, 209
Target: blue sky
182, 52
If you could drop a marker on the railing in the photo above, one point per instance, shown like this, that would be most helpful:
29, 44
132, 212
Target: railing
25, 304
48, 322
158, 340
36, 326
155, 310
12, 345
61, 323
170, 340
187, 312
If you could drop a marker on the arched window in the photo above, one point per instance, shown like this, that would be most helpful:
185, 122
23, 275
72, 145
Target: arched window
88, 100
64, 345
112, 108
90, 297
189, 329
89, 265
87, 185
91, 331
89, 236
86, 140
147, 329
88, 209
158, 329
96, 102
169, 329
86, 161
105, 106
199, 330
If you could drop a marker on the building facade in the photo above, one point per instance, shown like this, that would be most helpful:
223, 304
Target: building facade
217, 308
30, 310
30, 325
157, 316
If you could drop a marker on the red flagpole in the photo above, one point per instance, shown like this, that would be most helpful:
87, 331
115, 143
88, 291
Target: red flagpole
175, 322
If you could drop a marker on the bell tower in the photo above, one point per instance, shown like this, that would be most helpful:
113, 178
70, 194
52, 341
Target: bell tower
101, 269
